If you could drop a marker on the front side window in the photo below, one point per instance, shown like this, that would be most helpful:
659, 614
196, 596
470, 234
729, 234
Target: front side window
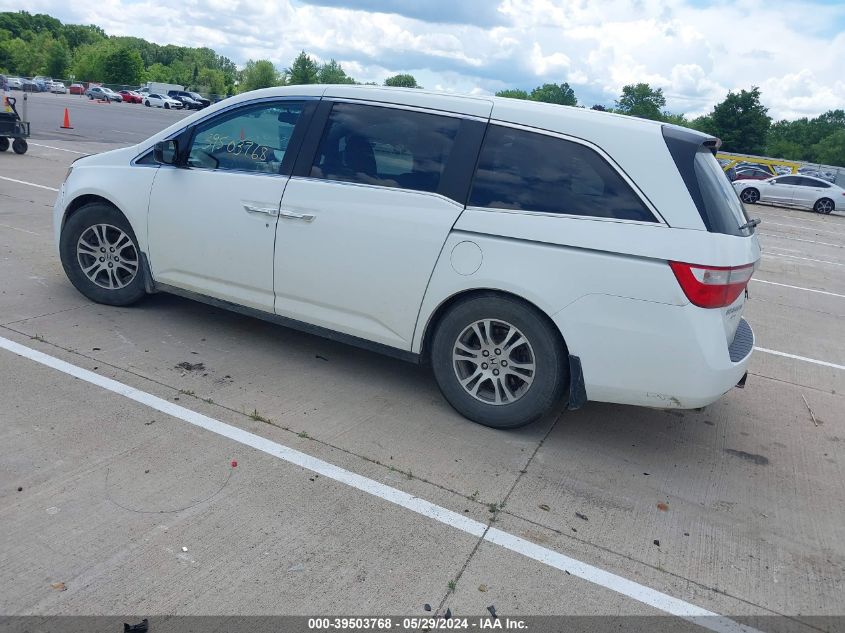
383, 146
253, 138
788, 180
535, 172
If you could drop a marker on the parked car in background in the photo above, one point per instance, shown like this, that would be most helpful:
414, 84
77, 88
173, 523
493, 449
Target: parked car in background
187, 102
798, 190
816, 173
29, 86
423, 225
752, 173
57, 87
14, 83
155, 100
77, 89
196, 101
130, 96
103, 93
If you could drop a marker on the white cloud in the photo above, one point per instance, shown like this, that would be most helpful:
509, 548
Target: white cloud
695, 53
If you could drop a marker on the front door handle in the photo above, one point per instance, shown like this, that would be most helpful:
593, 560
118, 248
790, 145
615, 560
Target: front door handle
254, 208
305, 217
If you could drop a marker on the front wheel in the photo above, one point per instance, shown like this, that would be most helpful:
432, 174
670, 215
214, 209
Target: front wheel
750, 195
19, 146
166, 106
498, 361
147, 103
825, 206
100, 255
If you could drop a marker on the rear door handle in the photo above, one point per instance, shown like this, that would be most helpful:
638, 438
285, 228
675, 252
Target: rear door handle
305, 217
254, 208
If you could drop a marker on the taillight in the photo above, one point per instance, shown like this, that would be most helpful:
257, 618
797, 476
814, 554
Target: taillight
712, 286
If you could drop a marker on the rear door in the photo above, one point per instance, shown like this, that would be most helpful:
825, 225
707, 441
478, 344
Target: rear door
366, 214
808, 192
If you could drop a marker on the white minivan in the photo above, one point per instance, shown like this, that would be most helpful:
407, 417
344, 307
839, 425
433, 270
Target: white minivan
531, 253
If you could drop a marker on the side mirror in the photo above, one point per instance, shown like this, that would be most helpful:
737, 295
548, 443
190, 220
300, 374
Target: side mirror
166, 152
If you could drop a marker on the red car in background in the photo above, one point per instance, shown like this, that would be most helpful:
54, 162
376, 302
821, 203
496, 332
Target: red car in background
130, 96
752, 174
77, 89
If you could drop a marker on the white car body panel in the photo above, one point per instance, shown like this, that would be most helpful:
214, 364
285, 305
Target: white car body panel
333, 271
219, 242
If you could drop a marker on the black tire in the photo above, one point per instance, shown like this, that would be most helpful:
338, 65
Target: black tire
146, 103
4, 143
166, 105
824, 206
19, 146
550, 378
90, 215
750, 196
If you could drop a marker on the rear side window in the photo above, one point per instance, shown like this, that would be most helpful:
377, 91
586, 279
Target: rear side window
387, 147
715, 199
536, 172
818, 184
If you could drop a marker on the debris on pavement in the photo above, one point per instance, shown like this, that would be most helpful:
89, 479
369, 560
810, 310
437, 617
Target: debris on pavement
482, 588
59, 586
234, 463
492, 610
297, 567
141, 627
184, 549
20, 489
812, 415
426, 607
448, 614
583, 517
190, 366
663, 507
317, 356
544, 507
657, 542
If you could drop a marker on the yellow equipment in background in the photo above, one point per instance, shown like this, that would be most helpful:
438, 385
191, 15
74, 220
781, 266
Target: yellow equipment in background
770, 163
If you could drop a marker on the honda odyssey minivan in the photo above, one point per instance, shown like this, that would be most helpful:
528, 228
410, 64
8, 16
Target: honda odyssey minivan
532, 254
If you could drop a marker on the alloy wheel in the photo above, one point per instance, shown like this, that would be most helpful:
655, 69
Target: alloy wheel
750, 196
107, 256
494, 362
824, 206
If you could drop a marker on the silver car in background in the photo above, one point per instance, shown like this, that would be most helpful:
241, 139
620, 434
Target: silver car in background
794, 190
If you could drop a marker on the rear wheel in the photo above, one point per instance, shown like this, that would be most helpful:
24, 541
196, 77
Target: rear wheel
498, 361
825, 205
4, 143
100, 255
750, 196
19, 146
147, 103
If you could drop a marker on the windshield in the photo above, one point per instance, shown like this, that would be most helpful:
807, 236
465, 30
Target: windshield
722, 206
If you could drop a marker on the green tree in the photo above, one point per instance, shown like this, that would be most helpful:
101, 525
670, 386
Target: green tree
21, 57
512, 93
675, 119
304, 70
123, 66
212, 81
78, 34
742, 122
402, 81
159, 72
259, 74
641, 100
57, 60
332, 73
560, 94
831, 149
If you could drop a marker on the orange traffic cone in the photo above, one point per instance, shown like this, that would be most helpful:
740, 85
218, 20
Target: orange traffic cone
66, 123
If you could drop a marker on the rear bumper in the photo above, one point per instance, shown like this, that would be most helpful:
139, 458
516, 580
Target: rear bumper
653, 354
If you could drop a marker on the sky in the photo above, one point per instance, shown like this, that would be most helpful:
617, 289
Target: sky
695, 51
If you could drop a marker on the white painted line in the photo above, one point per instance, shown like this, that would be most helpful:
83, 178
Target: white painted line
61, 149
821, 292
824, 363
595, 575
809, 259
31, 184
14, 228
805, 228
798, 239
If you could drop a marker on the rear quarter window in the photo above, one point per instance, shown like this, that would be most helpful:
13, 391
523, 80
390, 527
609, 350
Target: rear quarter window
531, 171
